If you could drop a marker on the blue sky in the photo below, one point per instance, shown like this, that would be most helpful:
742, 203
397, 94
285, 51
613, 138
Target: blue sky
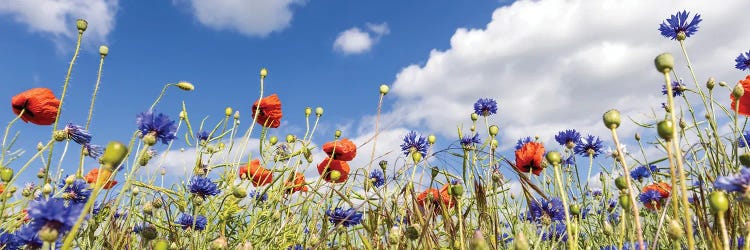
552, 64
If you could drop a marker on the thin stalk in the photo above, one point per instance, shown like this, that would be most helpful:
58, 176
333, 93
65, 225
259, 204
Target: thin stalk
628, 182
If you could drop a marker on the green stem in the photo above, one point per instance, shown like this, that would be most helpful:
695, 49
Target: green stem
5, 136
563, 195
628, 182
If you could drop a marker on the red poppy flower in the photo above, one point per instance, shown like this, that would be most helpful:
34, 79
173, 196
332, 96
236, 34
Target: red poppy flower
445, 197
664, 190
744, 99
435, 198
2, 188
257, 174
93, 175
529, 158
342, 150
329, 165
296, 185
270, 111
40, 104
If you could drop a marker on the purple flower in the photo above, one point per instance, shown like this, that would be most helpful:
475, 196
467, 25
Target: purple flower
485, 107
739, 182
9, 241
29, 237
258, 196
677, 25
547, 210
77, 133
650, 196
556, 232
202, 135
77, 192
677, 89
158, 125
468, 141
414, 143
186, 221
743, 61
377, 177
742, 141
523, 141
94, 151
568, 138
203, 186
53, 214
641, 172
346, 217
590, 145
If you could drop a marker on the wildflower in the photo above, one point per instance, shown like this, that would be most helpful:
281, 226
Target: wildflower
568, 138
202, 135
743, 61
93, 151
469, 141
571, 160
345, 217
297, 184
485, 107
53, 215
641, 172
93, 175
529, 158
77, 192
39, 105
329, 166
589, 146
612, 152
77, 133
297, 247
522, 142
744, 99
342, 150
29, 237
677, 89
186, 221
269, 111
258, 196
414, 144
744, 139
445, 194
739, 182
9, 240
377, 177
156, 126
436, 198
546, 211
653, 196
556, 232
676, 27
258, 175
203, 186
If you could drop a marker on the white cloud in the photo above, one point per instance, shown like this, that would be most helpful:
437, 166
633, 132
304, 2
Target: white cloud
58, 18
249, 17
357, 41
558, 64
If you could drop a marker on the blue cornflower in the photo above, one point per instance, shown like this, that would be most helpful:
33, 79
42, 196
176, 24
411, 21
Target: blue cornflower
414, 143
93, 151
202, 135
121, 214
159, 126
590, 145
377, 177
546, 210
456, 182
9, 241
743, 139
186, 221
740, 242
203, 186
650, 196
53, 214
297, 247
77, 133
485, 107
568, 138
641, 172
571, 160
594, 193
139, 227
743, 61
522, 141
77, 192
677, 89
677, 26
469, 141
739, 182
29, 237
346, 217
258, 196
556, 232
505, 238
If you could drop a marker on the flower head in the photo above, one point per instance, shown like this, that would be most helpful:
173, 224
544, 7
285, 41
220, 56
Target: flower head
328, 166
159, 126
342, 150
77, 133
546, 211
568, 138
469, 141
93, 175
269, 111
345, 217
677, 89
186, 221
93, 151
739, 182
743, 61
202, 135
77, 192
296, 184
485, 107
653, 196
744, 108
52, 214
258, 196
203, 186
39, 106
522, 142
436, 198
259, 176
677, 26
744, 139
556, 232
29, 237
529, 158
414, 143
377, 177
641, 172
9, 240
590, 145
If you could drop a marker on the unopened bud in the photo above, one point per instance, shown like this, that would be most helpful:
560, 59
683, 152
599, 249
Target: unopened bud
674, 230
431, 139
337, 134
308, 111
384, 89
273, 140
319, 111
554, 157
710, 83
738, 91
611, 119
474, 116
103, 50
664, 62
290, 138
263, 73
82, 25
228, 111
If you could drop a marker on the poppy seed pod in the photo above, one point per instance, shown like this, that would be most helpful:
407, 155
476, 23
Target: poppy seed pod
625, 201
431, 139
621, 183
6, 174
718, 201
319, 111
114, 154
575, 209
494, 129
435, 171
103, 50
263, 73
554, 158
384, 89
82, 25
665, 129
611, 119
664, 62
745, 159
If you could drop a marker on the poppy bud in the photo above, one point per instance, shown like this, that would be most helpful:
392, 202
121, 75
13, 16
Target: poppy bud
718, 201
81, 25
273, 140
416, 156
6, 174
494, 129
39, 146
103, 50
575, 209
290, 138
114, 154
664, 62
710, 83
474, 116
457, 190
554, 157
674, 230
157, 203
621, 183
70, 179
239, 192
625, 201
383, 164
337, 134
237, 115
665, 129
611, 119
738, 91
384, 89
161, 245
682, 124
745, 159
637, 136
308, 111
48, 234
319, 111
520, 242
334, 175
263, 73
435, 171
431, 139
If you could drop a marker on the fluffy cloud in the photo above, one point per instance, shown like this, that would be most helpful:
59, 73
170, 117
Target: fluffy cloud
357, 41
249, 17
58, 17
559, 64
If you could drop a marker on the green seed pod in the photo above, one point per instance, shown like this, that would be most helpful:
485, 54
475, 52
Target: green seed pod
319, 111
273, 140
82, 25
431, 139
611, 119
745, 159
665, 129
186, 86
114, 154
48, 234
263, 73
710, 83
161, 245
718, 201
664, 62
575, 209
521, 243
337, 134
674, 230
494, 130
474, 116
290, 138
416, 156
334, 175
239, 192
738, 91
412, 231
6, 174
625, 201
383, 165
621, 183
554, 158
384, 89
457, 190
435, 171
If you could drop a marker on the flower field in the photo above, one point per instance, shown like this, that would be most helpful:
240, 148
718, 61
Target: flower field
694, 193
